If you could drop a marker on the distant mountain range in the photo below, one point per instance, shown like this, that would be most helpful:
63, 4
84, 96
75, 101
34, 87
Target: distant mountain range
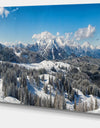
17, 55
50, 47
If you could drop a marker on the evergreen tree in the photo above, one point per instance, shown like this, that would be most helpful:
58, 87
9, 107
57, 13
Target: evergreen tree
96, 104
75, 104
56, 101
50, 98
91, 105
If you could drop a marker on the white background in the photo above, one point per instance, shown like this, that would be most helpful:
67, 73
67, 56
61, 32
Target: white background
12, 116
16, 116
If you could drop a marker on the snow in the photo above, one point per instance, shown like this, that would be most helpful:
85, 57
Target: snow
18, 53
1, 92
60, 42
49, 44
7, 99
41, 93
53, 54
46, 78
87, 46
62, 64
46, 40
69, 105
87, 99
11, 100
95, 111
72, 44
46, 65
40, 90
14, 44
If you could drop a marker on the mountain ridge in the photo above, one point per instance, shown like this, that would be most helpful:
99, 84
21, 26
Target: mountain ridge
56, 47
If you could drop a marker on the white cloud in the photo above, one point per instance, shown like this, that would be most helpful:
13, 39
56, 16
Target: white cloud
14, 10
69, 38
84, 33
43, 36
58, 34
1, 11
4, 12
68, 35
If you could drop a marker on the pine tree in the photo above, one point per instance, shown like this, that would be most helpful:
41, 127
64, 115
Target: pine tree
37, 101
96, 104
56, 101
85, 107
60, 102
75, 104
45, 89
50, 98
91, 105
64, 103
42, 78
26, 96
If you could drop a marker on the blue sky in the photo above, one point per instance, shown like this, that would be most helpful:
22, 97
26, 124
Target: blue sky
20, 23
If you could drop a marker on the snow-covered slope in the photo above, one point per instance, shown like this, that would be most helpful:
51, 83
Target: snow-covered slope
95, 111
69, 105
13, 100
87, 98
40, 90
48, 65
7, 99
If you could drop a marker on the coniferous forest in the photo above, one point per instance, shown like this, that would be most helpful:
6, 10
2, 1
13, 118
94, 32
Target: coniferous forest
59, 87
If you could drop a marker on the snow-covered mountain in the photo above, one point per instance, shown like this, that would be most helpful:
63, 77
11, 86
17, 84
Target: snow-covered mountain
98, 47
87, 47
49, 46
56, 47
60, 47
18, 55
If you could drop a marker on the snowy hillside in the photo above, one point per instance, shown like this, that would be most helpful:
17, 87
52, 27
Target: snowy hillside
47, 85
7, 99
40, 92
48, 65
95, 111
